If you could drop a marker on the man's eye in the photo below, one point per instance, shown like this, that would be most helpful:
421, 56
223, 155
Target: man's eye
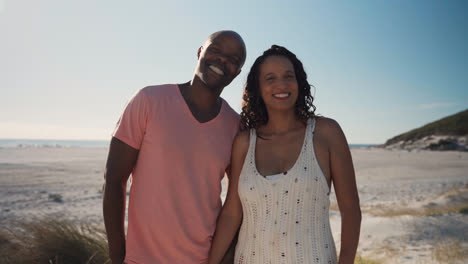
234, 61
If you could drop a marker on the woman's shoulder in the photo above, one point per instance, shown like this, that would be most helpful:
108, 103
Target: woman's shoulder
328, 128
241, 141
326, 123
240, 147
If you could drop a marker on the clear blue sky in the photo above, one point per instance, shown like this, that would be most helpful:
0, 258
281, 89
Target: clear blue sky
380, 68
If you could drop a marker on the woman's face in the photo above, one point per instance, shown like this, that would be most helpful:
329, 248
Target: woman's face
278, 84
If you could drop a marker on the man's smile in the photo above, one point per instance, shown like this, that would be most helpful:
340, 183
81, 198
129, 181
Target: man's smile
216, 69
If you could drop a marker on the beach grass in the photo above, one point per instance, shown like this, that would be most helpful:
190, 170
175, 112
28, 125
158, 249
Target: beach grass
387, 211
453, 201
363, 260
449, 252
382, 210
54, 241
456, 124
463, 210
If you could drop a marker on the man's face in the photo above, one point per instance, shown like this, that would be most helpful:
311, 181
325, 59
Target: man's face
220, 60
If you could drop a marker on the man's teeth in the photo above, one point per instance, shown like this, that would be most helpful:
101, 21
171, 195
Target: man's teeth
217, 70
281, 95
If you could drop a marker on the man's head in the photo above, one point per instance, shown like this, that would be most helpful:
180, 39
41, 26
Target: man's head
220, 59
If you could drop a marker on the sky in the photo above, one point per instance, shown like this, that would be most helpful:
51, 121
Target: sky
379, 68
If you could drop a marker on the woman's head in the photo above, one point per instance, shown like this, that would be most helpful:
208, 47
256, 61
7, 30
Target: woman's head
277, 64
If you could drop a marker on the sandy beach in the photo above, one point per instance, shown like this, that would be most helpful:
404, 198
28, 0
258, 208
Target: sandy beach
411, 204
414, 203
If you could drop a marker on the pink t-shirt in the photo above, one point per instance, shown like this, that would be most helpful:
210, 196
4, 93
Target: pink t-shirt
176, 183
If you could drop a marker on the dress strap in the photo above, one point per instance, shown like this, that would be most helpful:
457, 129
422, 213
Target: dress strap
311, 123
253, 138
313, 156
252, 143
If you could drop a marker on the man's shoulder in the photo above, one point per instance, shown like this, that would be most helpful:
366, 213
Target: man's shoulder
159, 90
155, 93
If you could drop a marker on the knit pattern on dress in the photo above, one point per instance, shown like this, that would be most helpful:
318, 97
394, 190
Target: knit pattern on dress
285, 220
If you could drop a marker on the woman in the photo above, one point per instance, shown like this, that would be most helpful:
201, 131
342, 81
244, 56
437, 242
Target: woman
283, 164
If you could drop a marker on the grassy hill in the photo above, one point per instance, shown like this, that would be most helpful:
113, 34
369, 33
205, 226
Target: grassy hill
456, 125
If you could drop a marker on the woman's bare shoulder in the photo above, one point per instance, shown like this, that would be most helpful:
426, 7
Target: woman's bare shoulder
329, 128
326, 124
241, 142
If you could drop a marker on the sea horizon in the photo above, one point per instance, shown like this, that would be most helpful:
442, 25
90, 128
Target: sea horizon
91, 143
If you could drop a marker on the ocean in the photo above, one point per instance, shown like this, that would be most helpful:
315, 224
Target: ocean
59, 143
52, 143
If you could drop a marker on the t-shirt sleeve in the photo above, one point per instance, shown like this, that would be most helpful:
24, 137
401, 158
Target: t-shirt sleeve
131, 126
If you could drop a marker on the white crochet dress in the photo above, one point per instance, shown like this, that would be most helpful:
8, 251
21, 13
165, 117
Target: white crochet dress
285, 219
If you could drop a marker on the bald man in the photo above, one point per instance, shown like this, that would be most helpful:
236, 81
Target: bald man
175, 140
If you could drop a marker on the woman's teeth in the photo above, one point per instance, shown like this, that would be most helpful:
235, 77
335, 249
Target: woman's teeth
281, 95
216, 70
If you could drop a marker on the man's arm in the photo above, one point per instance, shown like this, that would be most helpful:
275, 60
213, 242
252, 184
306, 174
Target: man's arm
120, 163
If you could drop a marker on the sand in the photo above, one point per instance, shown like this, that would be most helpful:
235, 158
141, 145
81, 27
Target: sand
44, 181
410, 200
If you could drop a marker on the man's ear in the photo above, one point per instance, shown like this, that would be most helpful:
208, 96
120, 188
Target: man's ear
199, 51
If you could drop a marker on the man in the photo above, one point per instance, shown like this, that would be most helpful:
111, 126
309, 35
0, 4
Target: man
176, 141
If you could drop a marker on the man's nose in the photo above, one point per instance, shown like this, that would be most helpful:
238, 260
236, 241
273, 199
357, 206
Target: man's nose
222, 58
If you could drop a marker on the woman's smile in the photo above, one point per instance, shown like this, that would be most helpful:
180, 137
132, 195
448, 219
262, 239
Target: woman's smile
282, 96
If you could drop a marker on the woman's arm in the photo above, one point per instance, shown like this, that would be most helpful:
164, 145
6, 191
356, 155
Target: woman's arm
230, 217
344, 180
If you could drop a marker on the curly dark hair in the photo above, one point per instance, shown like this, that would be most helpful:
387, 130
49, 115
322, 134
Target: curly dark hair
254, 113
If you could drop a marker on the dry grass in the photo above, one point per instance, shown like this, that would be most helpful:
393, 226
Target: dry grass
449, 252
386, 211
362, 260
390, 251
53, 241
382, 210
334, 207
452, 201
58, 241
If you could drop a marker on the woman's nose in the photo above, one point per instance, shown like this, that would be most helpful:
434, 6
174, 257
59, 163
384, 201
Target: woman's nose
282, 83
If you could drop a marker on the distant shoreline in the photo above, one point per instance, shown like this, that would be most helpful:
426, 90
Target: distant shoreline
62, 143
51, 143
